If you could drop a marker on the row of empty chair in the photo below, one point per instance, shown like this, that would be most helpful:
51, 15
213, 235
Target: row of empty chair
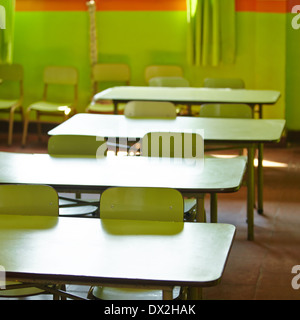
115, 203
12, 76
54, 77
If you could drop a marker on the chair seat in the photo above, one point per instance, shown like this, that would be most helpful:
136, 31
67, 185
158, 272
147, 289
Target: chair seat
190, 206
69, 208
78, 211
6, 104
111, 293
46, 106
19, 292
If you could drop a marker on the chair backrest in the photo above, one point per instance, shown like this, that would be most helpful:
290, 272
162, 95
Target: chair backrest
76, 145
111, 72
162, 71
63, 75
150, 109
137, 203
225, 110
31, 200
232, 83
238, 111
12, 72
173, 145
168, 82
12, 76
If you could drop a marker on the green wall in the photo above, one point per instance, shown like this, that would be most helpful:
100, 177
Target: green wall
293, 76
62, 38
141, 38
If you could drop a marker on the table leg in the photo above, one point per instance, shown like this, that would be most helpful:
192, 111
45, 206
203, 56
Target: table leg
213, 208
260, 111
250, 192
115, 106
200, 214
168, 294
260, 179
195, 293
189, 110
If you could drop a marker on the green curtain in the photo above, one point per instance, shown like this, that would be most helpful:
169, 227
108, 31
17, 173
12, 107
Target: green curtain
7, 10
211, 32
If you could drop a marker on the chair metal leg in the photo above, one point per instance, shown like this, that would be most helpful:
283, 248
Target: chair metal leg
10, 126
25, 128
39, 127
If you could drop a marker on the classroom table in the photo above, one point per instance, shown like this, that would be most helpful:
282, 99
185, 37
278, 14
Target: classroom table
189, 96
246, 133
53, 250
91, 174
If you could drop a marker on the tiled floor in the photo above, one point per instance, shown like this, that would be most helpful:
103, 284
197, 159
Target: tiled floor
259, 269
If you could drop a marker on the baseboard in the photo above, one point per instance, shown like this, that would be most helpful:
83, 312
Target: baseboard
32, 128
293, 136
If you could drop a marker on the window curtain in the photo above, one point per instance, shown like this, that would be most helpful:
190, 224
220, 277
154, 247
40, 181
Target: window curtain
211, 32
7, 9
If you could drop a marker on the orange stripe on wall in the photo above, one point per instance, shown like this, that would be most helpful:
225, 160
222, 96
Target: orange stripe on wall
101, 5
271, 6
276, 6
245, 5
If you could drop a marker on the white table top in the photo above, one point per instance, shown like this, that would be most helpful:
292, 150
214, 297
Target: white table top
189, 95
95, 251
211, 175
221, 130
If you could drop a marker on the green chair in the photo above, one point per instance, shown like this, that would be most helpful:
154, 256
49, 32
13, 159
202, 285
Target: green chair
231, 83
162, 71
11, 76
150, 109
60, 79
107, 75
76, 146
178, 82
169, 82
155, 204
237, 111
225, 110
175, 145
27, 200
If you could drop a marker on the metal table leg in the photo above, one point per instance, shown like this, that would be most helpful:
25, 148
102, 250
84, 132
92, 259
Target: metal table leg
250, 192
260, 179
200, 214
213, 208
